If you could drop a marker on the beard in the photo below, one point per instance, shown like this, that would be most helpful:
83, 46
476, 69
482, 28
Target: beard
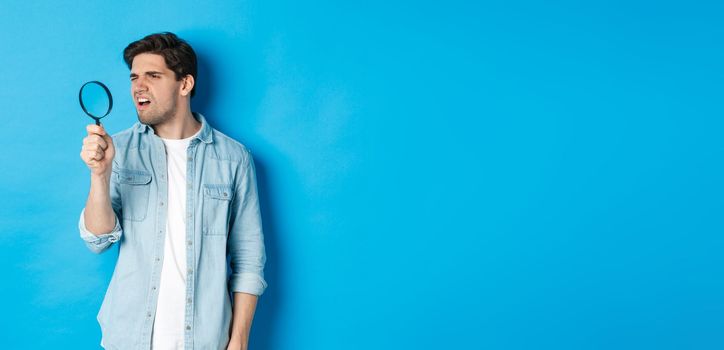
153, 117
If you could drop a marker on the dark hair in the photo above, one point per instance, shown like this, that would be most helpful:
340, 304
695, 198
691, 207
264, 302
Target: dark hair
178, 54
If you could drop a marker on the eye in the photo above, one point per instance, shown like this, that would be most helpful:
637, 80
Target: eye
155, 76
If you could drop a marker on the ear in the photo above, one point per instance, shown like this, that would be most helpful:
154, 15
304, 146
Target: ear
187, 84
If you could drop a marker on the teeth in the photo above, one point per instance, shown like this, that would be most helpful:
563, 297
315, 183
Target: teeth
141, 100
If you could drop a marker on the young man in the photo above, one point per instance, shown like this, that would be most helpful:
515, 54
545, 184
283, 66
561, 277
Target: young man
178, 197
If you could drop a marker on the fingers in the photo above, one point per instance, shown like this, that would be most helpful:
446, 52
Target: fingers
100, 131
92, 163
95, 147
97, 134
94, 141
95, 129
92, 154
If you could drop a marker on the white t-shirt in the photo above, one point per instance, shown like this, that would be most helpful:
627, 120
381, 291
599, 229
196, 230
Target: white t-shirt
168, 326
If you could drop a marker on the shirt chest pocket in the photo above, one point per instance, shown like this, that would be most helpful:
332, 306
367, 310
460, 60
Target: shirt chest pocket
216, 207
135, 186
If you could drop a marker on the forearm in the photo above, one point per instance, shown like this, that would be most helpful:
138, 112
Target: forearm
99, 216
243, 314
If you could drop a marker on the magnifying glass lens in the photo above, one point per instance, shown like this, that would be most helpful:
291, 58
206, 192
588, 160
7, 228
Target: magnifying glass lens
95, 100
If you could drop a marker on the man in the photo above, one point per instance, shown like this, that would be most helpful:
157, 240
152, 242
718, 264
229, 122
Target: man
179, 198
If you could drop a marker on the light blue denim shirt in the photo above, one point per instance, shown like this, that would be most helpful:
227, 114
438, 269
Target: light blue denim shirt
223, 221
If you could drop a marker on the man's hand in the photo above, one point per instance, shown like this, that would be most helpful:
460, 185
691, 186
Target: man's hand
237, 345
98, 151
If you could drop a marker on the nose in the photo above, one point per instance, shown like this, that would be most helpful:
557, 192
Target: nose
139, 85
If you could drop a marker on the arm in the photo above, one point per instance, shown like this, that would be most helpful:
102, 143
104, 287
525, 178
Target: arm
99, 226
244, 307
98, 240
99, 217
247, 253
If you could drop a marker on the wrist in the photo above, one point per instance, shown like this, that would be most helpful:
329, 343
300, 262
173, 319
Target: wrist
237, 343
100, 178
238, 339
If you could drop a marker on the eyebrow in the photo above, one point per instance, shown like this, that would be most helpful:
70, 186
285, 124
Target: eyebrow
147, 73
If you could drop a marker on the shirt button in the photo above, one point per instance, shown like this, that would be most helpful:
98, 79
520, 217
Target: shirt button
188, 300
154, 288
161, 203
189, 242
188, 328
191, 271
148, 314
158, 259
189, 159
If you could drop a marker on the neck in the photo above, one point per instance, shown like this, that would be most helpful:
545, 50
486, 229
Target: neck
182, 125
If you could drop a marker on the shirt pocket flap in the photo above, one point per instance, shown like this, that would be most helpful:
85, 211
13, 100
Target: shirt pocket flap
222, 192
133, 177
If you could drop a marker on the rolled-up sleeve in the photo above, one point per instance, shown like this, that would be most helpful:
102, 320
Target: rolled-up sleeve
246, 239
98, 243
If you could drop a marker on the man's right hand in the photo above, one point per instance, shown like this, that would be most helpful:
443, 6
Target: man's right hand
98, 151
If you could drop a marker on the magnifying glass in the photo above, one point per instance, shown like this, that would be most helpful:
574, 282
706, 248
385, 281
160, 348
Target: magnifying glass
96, 100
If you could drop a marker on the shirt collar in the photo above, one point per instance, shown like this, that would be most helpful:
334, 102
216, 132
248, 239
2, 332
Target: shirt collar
204, 135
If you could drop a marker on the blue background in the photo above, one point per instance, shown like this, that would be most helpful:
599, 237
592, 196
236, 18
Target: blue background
435, 175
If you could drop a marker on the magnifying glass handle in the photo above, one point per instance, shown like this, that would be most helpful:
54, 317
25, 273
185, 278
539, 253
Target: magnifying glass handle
98, 122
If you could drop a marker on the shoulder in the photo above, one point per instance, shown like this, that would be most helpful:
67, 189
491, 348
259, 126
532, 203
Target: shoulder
229, 149
123, 138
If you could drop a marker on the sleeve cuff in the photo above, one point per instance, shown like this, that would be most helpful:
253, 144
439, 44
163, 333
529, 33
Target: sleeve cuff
247, 282
98, 241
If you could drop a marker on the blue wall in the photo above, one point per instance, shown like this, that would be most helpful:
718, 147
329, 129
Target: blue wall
499, 175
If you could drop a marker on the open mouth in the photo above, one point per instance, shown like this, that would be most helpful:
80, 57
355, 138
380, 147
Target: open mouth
142, 102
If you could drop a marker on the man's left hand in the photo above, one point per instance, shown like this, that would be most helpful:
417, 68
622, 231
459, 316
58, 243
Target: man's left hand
236, 345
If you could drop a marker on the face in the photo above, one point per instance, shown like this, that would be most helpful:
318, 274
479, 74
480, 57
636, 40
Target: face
154, 89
